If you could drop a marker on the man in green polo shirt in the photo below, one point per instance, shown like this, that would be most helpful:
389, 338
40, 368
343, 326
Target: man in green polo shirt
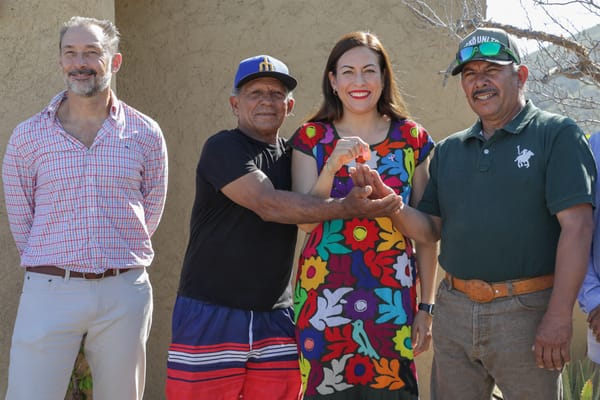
511, 200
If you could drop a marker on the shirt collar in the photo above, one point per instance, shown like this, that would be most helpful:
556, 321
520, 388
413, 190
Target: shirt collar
116, 112
515, 126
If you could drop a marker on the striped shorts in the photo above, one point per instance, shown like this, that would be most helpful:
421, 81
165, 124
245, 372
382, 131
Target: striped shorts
226, 353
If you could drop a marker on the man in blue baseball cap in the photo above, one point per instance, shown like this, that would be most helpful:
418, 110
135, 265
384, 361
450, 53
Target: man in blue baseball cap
263, 66
233, 332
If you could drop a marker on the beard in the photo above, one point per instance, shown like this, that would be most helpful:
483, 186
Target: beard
89, 87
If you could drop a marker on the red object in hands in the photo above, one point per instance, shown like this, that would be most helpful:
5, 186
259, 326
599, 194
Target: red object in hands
366, 155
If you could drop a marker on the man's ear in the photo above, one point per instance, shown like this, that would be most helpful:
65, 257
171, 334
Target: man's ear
290, 105
233, 102
523, 73
115, 62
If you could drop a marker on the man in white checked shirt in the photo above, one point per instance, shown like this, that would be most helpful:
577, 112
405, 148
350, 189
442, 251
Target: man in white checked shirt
85, 183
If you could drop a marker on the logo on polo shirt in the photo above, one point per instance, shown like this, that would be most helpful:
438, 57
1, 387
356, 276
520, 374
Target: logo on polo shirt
523, 157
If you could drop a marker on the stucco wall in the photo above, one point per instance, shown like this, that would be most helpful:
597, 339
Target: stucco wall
179, 61
29, 77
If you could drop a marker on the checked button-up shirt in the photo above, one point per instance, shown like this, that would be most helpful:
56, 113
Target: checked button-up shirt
86, 209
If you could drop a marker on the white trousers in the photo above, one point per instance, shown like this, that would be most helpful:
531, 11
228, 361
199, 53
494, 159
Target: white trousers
54, 313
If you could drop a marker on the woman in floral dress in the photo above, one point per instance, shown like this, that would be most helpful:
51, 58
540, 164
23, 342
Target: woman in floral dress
357, 323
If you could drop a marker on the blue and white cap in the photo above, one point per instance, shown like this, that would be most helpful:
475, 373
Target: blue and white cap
263, 66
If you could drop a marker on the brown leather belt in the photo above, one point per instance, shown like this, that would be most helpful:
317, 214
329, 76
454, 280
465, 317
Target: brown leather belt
484, 292
56, 271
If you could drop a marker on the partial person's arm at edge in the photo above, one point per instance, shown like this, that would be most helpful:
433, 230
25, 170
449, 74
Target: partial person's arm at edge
589, 297
554, 333
589, 294
256, 192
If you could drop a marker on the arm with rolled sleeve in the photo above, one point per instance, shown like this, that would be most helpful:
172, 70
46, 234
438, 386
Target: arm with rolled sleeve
589, 294
589, 300
154, 187
19, 186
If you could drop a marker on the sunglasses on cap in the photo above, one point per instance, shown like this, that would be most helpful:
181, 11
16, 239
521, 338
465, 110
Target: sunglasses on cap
487, 49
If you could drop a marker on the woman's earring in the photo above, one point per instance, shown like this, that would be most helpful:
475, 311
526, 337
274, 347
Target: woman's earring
334, 92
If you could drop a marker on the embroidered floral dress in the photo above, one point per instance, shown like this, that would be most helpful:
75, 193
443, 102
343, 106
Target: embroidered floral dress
355, 293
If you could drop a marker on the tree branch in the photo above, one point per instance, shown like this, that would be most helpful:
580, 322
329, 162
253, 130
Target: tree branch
574, 55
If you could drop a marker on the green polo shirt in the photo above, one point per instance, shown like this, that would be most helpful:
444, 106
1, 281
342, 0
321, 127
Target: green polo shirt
498, 198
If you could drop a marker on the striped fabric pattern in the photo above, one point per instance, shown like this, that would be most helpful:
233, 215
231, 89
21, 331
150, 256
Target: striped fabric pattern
233, 353
219, 353
86, 209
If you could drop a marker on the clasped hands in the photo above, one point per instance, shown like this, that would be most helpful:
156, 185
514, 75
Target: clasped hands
370, 197
363, 176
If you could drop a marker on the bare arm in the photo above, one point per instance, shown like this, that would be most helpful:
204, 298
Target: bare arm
305, 177
418, 225
256, 192
413, 223
305, 180
426, 253
426, 250
553, 337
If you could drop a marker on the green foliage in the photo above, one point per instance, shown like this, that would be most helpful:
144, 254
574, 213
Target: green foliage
80, 386
580, 378
587, 391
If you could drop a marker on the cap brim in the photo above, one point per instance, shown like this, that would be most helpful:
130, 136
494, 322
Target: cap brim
287, 80
459, 67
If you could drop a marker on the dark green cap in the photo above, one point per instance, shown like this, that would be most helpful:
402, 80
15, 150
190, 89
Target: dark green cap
484, 35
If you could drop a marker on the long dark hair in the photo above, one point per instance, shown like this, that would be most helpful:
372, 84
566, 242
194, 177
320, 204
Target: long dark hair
390, 103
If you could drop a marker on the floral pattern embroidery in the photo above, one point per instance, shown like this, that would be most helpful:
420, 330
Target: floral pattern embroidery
355, 291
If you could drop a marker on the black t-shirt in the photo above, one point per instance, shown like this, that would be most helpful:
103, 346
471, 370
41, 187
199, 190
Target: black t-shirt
234, 258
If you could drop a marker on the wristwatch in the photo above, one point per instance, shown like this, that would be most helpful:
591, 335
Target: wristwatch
428, 308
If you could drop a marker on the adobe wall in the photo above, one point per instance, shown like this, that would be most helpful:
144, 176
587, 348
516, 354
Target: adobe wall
29, 78
179, 61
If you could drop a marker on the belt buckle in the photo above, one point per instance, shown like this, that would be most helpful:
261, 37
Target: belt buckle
479, 291
93, 275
